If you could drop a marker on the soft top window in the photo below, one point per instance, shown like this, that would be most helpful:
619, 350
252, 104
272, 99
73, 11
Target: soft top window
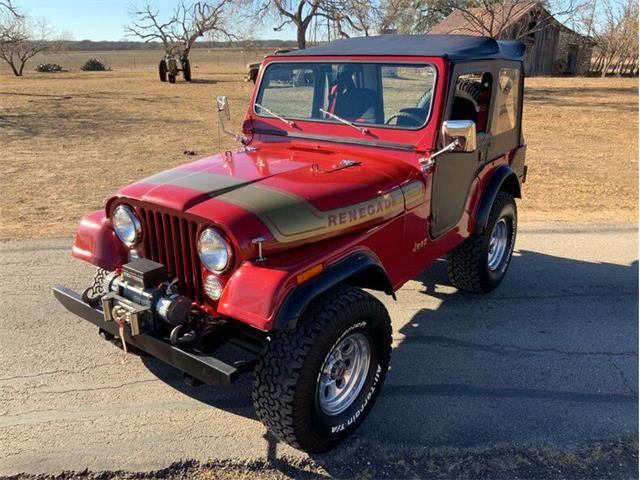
394, 95
506, 113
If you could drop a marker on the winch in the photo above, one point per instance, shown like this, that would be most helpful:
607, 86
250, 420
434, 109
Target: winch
142, 292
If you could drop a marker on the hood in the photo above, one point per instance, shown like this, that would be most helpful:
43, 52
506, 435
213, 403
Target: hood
296, 194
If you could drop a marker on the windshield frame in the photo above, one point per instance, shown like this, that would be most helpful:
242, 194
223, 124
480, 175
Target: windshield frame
403, 62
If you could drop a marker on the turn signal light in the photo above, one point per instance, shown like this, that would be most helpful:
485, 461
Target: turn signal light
309, 274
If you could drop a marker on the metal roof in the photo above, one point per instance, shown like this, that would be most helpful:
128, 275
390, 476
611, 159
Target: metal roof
455, 47
476, 20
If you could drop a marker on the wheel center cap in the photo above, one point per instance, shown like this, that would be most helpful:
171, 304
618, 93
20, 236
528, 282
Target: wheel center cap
338, 369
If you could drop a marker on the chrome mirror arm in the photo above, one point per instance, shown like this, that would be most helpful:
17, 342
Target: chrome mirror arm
427, 162
237, 137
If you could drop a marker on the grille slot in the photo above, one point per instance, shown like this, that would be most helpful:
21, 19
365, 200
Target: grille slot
171, 240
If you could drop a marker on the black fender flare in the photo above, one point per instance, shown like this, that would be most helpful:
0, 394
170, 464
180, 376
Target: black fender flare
503, 178
361, 269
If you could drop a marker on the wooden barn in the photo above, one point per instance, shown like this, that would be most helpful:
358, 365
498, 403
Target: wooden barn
552, 48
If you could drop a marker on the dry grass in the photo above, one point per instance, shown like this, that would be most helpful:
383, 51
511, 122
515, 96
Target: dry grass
582, 136
69, 140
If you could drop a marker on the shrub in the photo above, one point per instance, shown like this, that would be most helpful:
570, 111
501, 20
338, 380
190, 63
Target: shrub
94, 65
49, 67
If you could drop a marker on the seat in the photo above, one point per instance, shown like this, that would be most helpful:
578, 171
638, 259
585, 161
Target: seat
353, 103
463, 109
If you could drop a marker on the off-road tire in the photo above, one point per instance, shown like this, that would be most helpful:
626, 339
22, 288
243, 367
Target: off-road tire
162, 71
172, 78
470, 90
186, 70
467, 264
285, 382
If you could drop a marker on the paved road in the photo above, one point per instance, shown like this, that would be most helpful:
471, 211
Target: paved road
550, 358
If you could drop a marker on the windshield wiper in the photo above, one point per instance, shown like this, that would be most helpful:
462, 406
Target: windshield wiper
275, 115
362, 130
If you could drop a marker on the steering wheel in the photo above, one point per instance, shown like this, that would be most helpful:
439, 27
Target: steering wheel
410, 116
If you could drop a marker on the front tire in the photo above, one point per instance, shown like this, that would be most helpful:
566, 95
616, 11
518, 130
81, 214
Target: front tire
479, 264
315, 384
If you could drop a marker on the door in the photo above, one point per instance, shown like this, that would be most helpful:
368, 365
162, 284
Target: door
454, 172
572, 60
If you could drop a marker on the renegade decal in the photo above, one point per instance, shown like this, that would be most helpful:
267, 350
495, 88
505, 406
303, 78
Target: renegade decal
291, 218
413, 193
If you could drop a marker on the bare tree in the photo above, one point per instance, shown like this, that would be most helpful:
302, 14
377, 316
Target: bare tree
7, 7
200, 19
352, 17
149, 28
187, 23
299, 13
616, 34
22, 40
414, 16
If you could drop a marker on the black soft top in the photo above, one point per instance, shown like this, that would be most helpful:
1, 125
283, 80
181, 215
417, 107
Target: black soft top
455, 47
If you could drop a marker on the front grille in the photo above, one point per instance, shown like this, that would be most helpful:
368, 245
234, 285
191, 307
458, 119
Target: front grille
171, 240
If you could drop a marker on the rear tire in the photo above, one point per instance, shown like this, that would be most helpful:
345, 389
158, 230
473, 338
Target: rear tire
162, 70
315, 384
186, 71
172, 78
479, 264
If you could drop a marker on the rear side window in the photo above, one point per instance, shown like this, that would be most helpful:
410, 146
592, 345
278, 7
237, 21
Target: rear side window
505, 115
472, 99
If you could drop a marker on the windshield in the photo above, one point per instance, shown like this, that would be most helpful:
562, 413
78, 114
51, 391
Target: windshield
396, 95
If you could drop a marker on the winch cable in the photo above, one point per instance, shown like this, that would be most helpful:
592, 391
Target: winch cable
119, 314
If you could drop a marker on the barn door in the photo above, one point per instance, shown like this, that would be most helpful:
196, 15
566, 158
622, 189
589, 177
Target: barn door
572, 59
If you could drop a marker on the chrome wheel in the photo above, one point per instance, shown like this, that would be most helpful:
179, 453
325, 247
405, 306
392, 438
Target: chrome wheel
343, 374
498, 244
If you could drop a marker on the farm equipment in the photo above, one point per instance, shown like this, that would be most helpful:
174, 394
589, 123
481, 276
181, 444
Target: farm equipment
254, 68
168, 68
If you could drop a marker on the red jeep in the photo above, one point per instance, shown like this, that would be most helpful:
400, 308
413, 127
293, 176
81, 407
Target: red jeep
361, 163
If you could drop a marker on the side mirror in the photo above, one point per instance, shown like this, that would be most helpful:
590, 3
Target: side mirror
224, 115
462, 133
223, 107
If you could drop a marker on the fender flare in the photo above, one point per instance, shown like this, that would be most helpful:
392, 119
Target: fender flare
96, 242
503, 178
361, 269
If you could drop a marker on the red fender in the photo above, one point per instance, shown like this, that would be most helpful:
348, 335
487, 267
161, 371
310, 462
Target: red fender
97, 242
253, 294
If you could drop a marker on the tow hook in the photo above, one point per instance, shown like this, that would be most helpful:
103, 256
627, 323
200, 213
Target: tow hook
179, 338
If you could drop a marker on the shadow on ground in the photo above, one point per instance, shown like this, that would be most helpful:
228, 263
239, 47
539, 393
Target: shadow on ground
548, 359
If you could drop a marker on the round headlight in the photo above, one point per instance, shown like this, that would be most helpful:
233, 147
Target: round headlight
126, 225
214, 250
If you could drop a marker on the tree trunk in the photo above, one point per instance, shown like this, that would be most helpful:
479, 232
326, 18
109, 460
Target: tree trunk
22, 64
302, 37
607, 64
15, 71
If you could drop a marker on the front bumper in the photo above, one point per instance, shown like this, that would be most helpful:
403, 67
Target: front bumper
230, 359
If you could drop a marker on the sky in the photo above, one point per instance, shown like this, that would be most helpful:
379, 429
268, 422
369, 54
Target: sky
104, 19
